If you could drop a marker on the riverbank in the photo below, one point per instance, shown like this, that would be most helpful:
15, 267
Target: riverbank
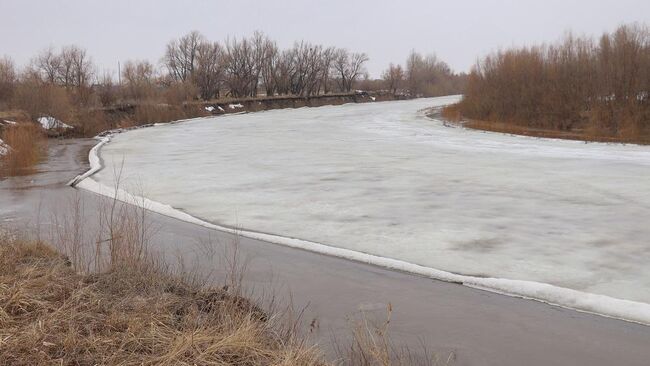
453, 115
92, 121
477, 327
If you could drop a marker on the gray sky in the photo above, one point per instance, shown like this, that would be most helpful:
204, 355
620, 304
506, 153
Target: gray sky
458, 31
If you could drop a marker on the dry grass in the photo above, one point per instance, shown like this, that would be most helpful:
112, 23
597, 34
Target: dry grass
158, 113
130, 315
451, 113
371, 345
14, 115
581, 135
27, 144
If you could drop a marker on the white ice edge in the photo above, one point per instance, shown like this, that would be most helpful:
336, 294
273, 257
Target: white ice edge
607, 306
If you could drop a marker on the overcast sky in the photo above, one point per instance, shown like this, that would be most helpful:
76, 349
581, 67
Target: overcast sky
457, 31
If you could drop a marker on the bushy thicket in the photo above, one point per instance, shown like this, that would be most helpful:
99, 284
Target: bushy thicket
600, 88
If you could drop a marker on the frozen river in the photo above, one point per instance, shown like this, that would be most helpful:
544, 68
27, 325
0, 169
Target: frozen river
383, 179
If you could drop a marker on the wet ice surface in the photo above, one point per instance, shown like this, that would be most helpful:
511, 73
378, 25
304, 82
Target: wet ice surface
382, 178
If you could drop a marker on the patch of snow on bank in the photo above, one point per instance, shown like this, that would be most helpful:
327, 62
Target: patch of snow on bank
4, 148
235, 106
49, 123
209, 108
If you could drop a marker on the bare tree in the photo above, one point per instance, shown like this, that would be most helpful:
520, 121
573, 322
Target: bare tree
7, 79
241, 67
393, 76
270, 66
106, 90
326, 60
138, 77
306, 70
284, 71
181, 56
427, 76
82, 66
348, 67
209, 69
48, 64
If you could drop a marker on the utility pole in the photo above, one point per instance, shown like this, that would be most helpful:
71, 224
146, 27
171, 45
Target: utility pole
119, 74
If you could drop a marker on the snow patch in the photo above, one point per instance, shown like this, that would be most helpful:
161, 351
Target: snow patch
49, 123
209, 108
221, 109
235, 106
4, 148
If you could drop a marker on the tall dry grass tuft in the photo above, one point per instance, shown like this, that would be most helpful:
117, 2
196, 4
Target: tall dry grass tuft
157, 113
371, 345
451, 113
27, 146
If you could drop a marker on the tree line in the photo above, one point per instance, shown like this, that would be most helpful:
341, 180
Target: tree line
249, 66
65, 82
595, 87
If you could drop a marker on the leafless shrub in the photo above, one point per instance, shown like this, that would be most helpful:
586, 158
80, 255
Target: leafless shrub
371, 345
8, 78
107, 91
26, 146
38, 99
138, 78
393, 76
178, 93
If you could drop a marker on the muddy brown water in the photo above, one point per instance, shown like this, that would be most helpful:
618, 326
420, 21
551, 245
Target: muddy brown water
476, 327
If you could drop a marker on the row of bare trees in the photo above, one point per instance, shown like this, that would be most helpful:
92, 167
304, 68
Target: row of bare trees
195, 68
246, 67
580, 84
65, 83
192, 67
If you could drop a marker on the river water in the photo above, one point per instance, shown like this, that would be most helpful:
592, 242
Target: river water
383, 179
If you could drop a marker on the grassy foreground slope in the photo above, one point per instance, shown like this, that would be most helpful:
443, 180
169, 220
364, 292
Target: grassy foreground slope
130, 315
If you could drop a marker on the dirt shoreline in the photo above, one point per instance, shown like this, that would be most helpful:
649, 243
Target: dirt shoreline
510, 129
477, 327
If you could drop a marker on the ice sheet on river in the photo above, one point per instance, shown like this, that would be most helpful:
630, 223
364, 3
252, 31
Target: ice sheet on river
383, 179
